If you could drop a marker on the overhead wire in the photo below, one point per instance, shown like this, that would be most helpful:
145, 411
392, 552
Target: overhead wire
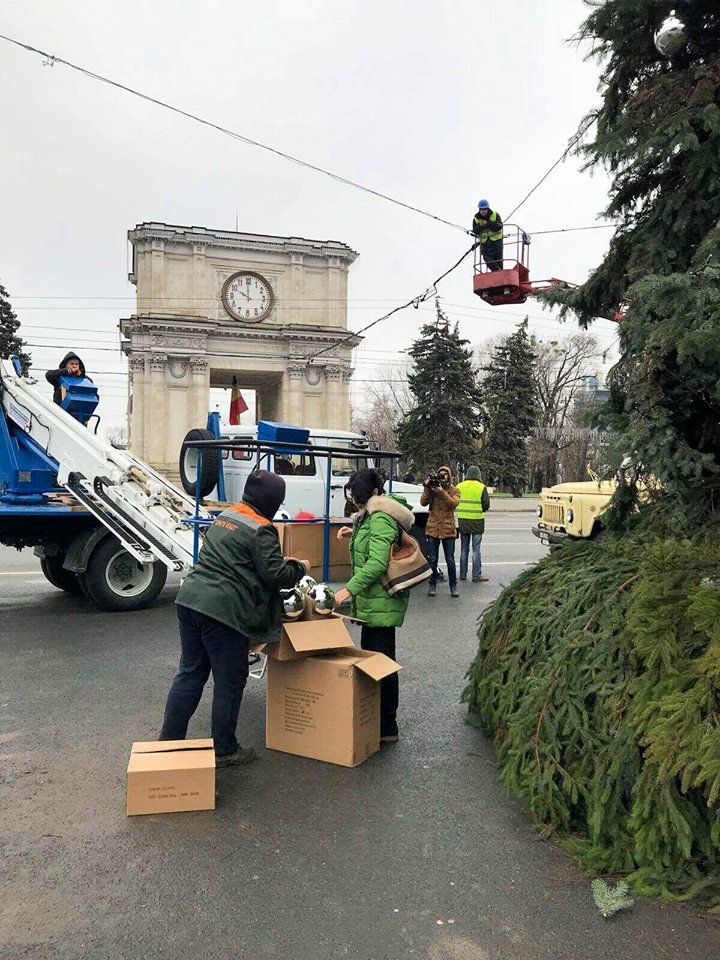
574, 140
52, 59
584, 127
415, 302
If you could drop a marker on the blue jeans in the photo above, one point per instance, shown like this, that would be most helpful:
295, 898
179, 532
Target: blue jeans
476, 558
433, 553
205, 645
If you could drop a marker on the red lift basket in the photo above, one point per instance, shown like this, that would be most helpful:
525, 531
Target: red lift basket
511, 283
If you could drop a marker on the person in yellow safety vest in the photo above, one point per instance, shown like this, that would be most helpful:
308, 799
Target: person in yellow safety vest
474, 503
488, 228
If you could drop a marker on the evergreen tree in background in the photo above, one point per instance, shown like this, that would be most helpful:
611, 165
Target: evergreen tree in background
509, 411
443, 424
658, 132
11, 345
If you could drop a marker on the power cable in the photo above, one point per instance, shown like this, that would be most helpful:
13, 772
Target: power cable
430, 292
52, 60
584, 127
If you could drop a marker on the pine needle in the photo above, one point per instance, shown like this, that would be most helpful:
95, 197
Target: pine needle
609, 900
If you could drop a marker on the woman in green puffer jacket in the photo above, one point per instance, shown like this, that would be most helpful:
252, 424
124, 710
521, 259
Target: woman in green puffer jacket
376, 528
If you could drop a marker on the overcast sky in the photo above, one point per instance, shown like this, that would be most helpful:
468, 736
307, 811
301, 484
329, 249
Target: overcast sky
435, 102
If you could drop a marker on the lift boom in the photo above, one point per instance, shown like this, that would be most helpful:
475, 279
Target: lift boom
147, 514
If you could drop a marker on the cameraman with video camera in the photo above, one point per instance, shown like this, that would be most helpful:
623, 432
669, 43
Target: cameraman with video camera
442, 498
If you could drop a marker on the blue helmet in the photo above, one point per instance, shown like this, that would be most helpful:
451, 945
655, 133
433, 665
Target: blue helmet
483, 205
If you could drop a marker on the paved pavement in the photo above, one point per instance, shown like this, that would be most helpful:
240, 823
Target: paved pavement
417, 853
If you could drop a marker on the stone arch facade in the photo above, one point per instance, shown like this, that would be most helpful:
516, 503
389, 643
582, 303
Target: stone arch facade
185, 338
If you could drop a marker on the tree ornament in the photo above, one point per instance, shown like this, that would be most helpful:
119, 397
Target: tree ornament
671, 36
323, 597
293, 603
306, 583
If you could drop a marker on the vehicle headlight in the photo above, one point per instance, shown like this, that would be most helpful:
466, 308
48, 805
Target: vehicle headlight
569, 515
538, 509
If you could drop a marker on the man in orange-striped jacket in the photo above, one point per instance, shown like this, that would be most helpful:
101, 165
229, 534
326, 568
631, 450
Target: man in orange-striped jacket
229, 599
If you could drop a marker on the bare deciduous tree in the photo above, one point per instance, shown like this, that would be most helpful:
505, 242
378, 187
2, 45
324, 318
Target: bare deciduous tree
563, 367
384, 405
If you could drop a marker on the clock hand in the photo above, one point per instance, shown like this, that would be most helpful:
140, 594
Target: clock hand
243, 294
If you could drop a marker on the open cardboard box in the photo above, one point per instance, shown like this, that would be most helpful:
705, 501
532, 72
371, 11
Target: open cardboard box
169, 776
308, 638
326, 707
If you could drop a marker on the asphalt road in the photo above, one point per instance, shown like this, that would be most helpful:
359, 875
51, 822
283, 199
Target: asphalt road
418, 853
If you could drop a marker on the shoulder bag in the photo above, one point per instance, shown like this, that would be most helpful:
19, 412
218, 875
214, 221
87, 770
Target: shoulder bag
407, 566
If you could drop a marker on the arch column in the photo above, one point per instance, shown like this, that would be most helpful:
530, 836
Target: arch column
293, 411
155, 405
346, 422
136, 404
199, 391
334, 413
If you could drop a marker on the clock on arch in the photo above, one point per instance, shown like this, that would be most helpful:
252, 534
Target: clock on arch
247, 296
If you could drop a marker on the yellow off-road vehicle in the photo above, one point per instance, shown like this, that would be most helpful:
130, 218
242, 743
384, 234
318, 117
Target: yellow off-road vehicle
572, 511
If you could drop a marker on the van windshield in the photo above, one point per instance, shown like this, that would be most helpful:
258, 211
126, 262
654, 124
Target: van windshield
346, 466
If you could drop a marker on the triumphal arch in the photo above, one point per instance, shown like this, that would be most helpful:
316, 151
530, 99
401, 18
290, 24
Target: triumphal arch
213, 304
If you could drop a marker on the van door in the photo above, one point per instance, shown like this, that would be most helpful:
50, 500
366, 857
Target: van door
304, 482
342, 469
237, 465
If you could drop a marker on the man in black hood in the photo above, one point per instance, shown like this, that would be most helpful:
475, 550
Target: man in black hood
70, 366
229, 599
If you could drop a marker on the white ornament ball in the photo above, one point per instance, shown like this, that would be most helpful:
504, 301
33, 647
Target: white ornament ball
306, 583
671, 36
282, 515
324, 598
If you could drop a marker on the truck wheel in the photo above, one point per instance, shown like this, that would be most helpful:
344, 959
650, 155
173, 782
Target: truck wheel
114, 580
189, 457
58, 576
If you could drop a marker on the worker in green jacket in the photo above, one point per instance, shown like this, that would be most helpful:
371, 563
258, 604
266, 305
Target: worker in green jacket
229, 599
474, 504
488, 228
376, 527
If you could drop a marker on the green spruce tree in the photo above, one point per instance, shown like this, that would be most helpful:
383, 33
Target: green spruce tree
443, 424
11, 345
509, 411
598, 669
658, 132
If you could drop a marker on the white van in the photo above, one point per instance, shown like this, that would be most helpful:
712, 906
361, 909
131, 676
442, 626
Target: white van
304, 473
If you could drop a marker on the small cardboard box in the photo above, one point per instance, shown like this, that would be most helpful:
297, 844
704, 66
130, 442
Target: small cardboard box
168, 776
308, 638
327, 707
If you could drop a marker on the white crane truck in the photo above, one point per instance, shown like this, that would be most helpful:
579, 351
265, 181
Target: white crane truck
102, 522
107, 525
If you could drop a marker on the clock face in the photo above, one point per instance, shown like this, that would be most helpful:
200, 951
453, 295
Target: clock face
247, 296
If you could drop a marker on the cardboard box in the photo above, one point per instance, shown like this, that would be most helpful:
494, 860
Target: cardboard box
304, 541
300, 639
339, 573
327, 707
167, 776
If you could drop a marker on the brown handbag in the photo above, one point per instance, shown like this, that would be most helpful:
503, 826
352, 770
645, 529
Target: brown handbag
407, 566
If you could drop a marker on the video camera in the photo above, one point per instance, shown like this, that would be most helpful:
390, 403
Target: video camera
434, 481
